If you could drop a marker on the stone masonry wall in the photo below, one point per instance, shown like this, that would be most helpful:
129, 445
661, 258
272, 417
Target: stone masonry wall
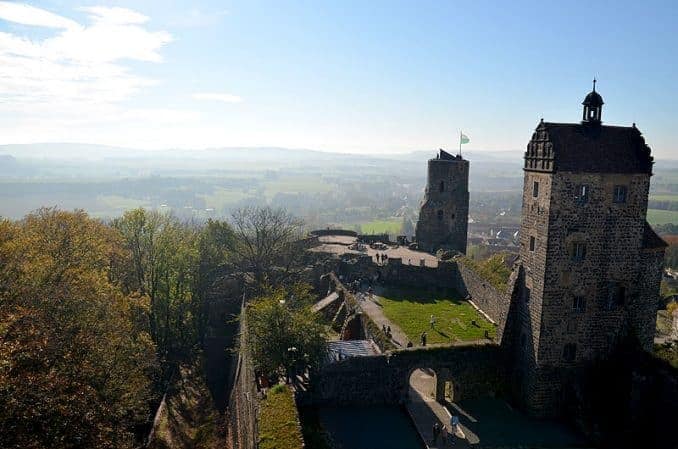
241, 424
474, 369
443, 217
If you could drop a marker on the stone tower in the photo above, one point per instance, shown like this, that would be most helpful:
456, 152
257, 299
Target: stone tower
443, 216
591, 264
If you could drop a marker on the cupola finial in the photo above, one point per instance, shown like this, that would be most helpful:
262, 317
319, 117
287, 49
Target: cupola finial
593, 106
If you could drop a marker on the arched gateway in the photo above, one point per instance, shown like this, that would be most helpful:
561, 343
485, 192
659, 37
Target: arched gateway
472, 369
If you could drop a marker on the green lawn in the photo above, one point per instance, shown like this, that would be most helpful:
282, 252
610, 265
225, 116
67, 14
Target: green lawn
664, 197
279, 420
390, 226
411, 310
656, 216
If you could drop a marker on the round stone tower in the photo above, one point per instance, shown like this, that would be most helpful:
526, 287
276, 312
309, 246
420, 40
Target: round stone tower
443, 217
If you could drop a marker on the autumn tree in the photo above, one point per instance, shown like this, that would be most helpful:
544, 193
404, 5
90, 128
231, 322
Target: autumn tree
76, 358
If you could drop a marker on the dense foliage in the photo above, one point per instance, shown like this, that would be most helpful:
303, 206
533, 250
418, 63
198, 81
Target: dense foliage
284, 335
95, 317
76, 357
92, 319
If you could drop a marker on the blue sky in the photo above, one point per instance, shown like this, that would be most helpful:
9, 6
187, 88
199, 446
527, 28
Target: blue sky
363, 76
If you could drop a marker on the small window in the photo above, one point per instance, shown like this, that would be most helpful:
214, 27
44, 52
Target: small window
619, 194
569, 352
532, 243
616, 295
578, 304
535, 189
442, 186
440, 214
582, 196
578, 251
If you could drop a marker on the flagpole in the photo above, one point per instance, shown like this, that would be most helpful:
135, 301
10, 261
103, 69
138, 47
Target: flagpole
460, 143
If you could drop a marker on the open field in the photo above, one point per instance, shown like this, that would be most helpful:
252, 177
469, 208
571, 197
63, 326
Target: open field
389, 226
664, 197
656, 216
411, 309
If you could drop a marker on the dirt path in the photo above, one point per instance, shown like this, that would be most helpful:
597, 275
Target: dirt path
374, 310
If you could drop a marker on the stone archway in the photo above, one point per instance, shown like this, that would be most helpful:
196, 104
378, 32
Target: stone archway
423, 384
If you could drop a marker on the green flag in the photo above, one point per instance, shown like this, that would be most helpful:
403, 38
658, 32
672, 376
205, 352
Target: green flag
463, 138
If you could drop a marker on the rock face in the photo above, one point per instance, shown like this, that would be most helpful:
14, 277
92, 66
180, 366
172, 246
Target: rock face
592, 264
443, 217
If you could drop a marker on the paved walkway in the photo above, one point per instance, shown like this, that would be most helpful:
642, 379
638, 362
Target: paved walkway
425, 411
329, 299
374, 310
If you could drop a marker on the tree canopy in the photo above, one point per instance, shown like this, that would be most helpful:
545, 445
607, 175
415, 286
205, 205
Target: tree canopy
76, 358
283, 332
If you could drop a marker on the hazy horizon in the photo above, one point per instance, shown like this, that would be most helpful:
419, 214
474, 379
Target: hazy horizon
383, 77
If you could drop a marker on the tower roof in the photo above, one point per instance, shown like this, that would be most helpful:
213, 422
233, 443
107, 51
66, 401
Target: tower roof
593, 99
578, 147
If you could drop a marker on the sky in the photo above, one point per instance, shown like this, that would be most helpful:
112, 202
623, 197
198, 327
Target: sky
348, 76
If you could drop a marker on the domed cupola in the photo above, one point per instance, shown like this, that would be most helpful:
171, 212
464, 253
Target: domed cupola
593, 106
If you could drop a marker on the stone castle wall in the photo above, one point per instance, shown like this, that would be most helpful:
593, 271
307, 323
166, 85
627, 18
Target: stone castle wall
568, 299
243, 403
443, 216
474, 369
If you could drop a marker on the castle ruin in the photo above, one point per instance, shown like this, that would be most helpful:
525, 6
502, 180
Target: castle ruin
443, 217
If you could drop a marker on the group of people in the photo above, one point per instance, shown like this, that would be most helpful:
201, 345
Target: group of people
387, 330
444, 433
381, 258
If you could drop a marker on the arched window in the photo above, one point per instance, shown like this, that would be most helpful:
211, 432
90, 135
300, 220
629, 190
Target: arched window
440, 214
442, 186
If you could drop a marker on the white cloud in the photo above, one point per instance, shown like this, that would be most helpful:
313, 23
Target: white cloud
114, 15
216, 96
79, 71
29, 15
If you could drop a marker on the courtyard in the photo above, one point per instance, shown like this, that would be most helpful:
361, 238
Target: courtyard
410, 310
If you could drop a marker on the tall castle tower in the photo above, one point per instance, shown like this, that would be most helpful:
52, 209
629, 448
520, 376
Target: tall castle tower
591, 263
443, 216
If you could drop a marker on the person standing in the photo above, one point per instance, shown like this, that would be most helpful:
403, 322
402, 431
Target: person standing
423, 338
436, 431
433, 321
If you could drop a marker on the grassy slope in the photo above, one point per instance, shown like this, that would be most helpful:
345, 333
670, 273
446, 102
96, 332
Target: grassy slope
189, 420
656, 216
411, 310
279, 421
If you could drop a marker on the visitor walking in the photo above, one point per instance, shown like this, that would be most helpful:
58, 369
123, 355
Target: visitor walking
433, 322
436, 432
423, 338
454, 425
